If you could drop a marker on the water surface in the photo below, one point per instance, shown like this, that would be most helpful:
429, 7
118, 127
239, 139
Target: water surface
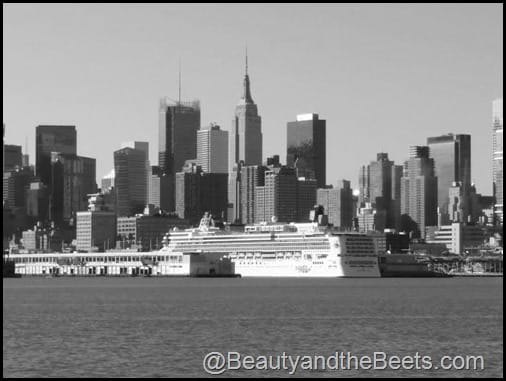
163, 327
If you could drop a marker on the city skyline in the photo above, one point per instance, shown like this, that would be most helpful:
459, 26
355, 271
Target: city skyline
425, 93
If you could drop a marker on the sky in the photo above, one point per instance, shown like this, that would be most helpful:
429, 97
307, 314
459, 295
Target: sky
384, 77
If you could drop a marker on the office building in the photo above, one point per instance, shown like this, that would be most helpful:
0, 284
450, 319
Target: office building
15, 185
306, 147
370, 219
337, 204
306, 198
107, 181
37, 201
212, 149
61, 139
419, 191
13, 157
131, 186
458, 237
452, 163
198, 192
178, 126
497, 162
278, 196
379, 185
73, 178
245, 138
95, 228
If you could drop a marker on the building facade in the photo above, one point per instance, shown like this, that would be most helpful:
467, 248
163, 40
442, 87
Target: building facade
338, 204
452, 163
130, 181
212, 149
245, 138
306, 147
419, 190
198, 192
61, 139
497, 159
73, 178
178, 126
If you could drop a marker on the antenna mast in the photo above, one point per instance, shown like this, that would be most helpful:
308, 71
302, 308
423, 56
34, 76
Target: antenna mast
179, 97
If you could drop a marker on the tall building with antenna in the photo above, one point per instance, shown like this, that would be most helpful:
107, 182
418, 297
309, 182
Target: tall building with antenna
245, 138
245, 146
178, 125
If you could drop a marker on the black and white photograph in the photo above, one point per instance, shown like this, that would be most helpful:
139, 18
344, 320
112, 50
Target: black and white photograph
252, 190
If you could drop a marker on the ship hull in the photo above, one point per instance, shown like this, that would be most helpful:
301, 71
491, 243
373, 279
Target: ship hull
341, 267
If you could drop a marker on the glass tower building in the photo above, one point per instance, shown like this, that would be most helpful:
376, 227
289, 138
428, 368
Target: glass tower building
452, 163
497, 170
306, 147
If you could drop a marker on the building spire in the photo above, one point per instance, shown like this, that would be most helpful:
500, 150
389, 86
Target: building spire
179, 93
246, 59
247, 94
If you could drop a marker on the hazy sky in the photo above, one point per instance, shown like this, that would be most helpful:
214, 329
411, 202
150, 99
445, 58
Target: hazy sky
383, 76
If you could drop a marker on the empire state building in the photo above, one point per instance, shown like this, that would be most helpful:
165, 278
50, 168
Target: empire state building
245, 140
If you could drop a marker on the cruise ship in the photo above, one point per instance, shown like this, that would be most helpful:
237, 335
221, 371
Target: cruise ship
262, 250
282, 250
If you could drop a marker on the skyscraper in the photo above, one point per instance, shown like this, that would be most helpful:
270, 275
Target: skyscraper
73, 178
419, 190
144, 147
337, 204
278, 197
306, 147
379, 184
198, 192
452, 163
245, 138
244, 148
212, 149
130, 181
61, 139
250, 177
13, 157
497, 161
178, 126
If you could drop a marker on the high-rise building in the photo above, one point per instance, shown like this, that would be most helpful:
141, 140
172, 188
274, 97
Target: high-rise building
251, 176
95, 228
73, 178
379, 185
395, 207
497, 161
15, 184
178, 126
198, 192
363, 185
419, 190
130, 181
107, 181
370, 219
37, 201
306, 198
306, 147
61, 139
337, 204
278, 196
452, 163
144, 147
155, 186
13, 157
245, 138
212, 149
